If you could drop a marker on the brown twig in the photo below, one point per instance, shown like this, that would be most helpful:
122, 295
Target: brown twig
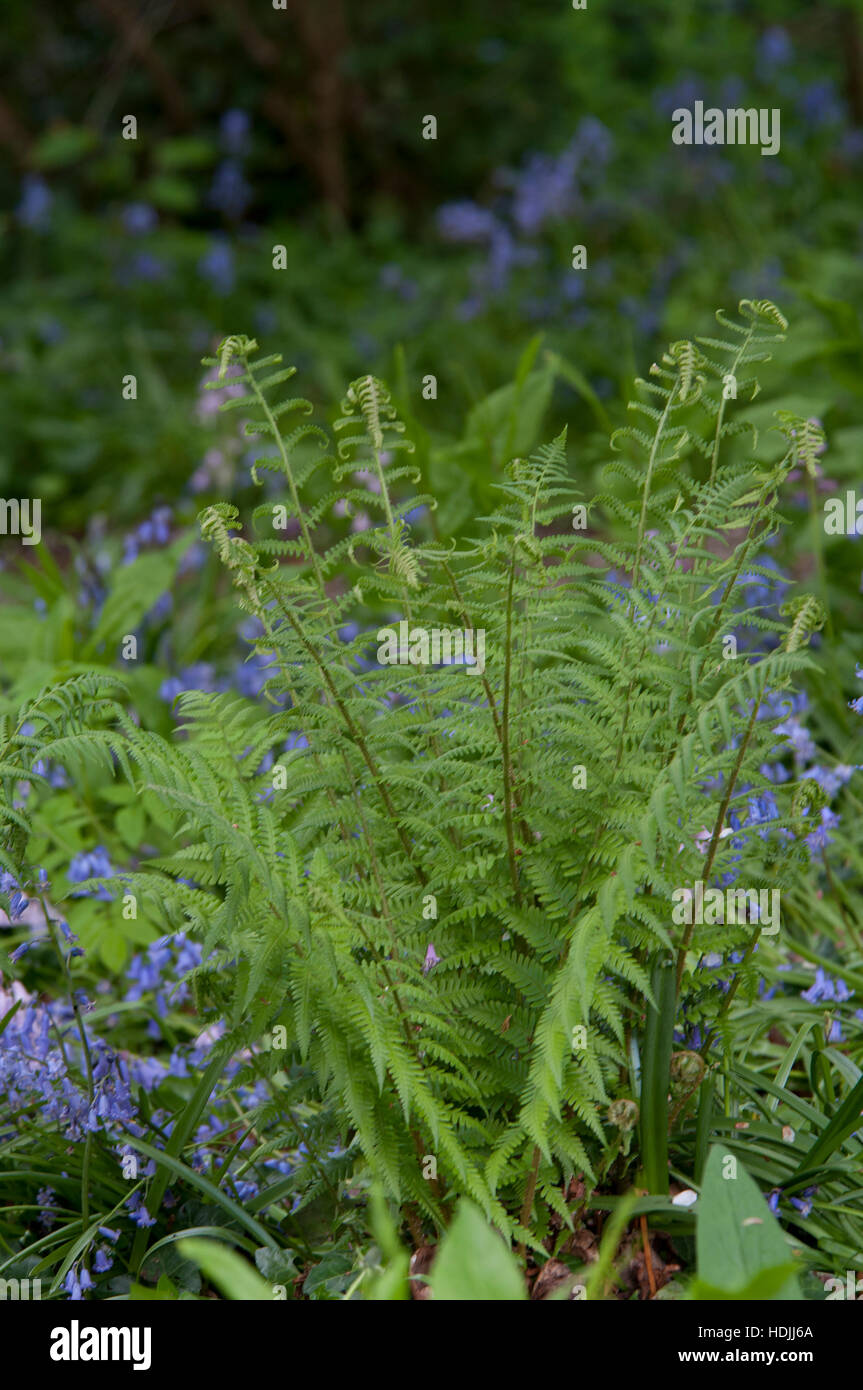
648, 1257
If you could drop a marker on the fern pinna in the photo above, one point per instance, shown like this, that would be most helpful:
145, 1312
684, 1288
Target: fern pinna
441, 886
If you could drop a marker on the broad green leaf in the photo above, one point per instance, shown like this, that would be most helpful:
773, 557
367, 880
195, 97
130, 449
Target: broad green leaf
474, 1264
738, 1239
233, 1275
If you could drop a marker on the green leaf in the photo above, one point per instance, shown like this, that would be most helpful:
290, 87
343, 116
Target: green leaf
508, 421
233, 1275
185, 152
171, 193
844, 1122
113, 949
738, 1239
163, 1292
61, 146
763, 1287
474, 1264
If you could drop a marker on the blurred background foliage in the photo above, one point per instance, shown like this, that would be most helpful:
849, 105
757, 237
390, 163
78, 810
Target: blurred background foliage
302, 127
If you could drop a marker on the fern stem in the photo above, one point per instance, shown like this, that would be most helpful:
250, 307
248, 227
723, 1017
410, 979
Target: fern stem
358, 738
489, 693
720, 820
289, 474
529, 1194
720, 417
508, 778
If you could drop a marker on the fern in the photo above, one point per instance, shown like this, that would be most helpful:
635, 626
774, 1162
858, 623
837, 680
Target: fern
456, 929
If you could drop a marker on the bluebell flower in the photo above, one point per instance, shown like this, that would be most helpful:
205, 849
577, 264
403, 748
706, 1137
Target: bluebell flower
826, 989
34, 209
819, 839
91, 864
51, 331
177, 1065
77, 1281
234, 128
102, 1261
138, 1211
804, 1203
593, 141
46, 1198
832, 779
798, 737
686, 91
469, 308
466, 222
229, 191
392, 277
139, 218
143, 266
189, 953
545, 189
851, 144
762, 808
820, 104
55, 775
18, 902
432, 959
217, 266
774, 49
252, 674
199, 676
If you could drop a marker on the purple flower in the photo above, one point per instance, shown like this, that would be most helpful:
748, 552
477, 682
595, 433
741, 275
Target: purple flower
217, 266
229, 191
804, 1203
819, 839
826, 988
774, 50
432, 959
34, 209
799, 738
94, 864
199, 676
138, 1211
393, 278
18, 903
139, 218
820, 104
234, 130
832, 780
466, 222
76, 1282
144, 266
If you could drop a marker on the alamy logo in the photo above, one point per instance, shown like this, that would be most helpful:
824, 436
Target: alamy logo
77, 1343
436, 646
711, 906
844, 516
733, 127
22, 518
18, 1289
